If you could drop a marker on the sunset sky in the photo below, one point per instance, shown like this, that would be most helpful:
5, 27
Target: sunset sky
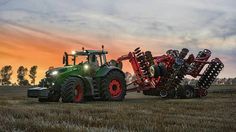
37, 32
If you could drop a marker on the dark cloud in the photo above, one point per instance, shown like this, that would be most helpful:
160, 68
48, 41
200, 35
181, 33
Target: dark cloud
4, 2
45, 32
226, 29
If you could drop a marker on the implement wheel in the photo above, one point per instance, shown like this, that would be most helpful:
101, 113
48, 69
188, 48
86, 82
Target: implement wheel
185, 92
114, 86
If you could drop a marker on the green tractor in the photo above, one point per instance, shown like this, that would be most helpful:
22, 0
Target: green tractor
86, 75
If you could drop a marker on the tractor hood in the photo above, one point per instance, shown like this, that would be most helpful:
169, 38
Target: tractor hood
56, 71
60, 70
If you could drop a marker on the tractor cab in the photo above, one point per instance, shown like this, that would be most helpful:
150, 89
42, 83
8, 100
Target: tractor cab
93, 57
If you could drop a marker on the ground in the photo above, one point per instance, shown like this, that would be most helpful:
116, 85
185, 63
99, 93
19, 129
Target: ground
216, 112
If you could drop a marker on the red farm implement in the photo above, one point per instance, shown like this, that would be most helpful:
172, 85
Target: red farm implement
162, 75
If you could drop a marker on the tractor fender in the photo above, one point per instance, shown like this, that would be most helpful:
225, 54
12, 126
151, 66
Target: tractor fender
87, 84
84, 79
105, 70
77, 76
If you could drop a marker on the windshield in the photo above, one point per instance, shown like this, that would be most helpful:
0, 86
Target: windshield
93, 59
75, 60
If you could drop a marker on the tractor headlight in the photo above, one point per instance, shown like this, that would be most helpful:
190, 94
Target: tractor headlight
86, 67
54, 73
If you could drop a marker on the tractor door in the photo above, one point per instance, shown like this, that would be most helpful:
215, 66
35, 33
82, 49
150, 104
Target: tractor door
97, 60
93, 60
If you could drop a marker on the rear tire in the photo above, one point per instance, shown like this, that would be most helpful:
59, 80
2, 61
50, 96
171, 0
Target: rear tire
73, 90
113, 86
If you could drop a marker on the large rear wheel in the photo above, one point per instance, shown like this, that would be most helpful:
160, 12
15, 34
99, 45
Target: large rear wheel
73, 90
114, 86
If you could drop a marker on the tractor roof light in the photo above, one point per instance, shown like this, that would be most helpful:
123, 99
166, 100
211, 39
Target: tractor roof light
73, 52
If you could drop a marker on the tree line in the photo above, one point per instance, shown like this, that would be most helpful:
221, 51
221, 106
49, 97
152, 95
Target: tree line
7, 71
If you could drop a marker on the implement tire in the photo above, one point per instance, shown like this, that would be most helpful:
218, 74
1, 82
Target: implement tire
185, 92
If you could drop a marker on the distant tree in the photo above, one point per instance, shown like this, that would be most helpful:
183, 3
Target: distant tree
234, 81
6, 73
228, 81
21, 73
32, 75
0, 77
216, 81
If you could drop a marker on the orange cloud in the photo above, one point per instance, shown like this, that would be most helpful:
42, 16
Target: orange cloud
28, 47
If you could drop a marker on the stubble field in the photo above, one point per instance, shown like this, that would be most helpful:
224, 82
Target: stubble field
216, 112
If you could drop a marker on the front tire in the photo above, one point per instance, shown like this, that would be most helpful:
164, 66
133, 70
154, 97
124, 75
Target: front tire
73, 90
114, 86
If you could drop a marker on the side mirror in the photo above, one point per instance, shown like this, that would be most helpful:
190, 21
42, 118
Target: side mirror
73, 60
64, 60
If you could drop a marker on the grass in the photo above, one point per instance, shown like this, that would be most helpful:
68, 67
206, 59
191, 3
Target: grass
216, 112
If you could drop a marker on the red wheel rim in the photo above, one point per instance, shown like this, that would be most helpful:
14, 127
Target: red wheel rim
115, 88
78, 93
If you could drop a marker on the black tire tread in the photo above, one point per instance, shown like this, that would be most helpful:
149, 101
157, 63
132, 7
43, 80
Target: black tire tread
68, 89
